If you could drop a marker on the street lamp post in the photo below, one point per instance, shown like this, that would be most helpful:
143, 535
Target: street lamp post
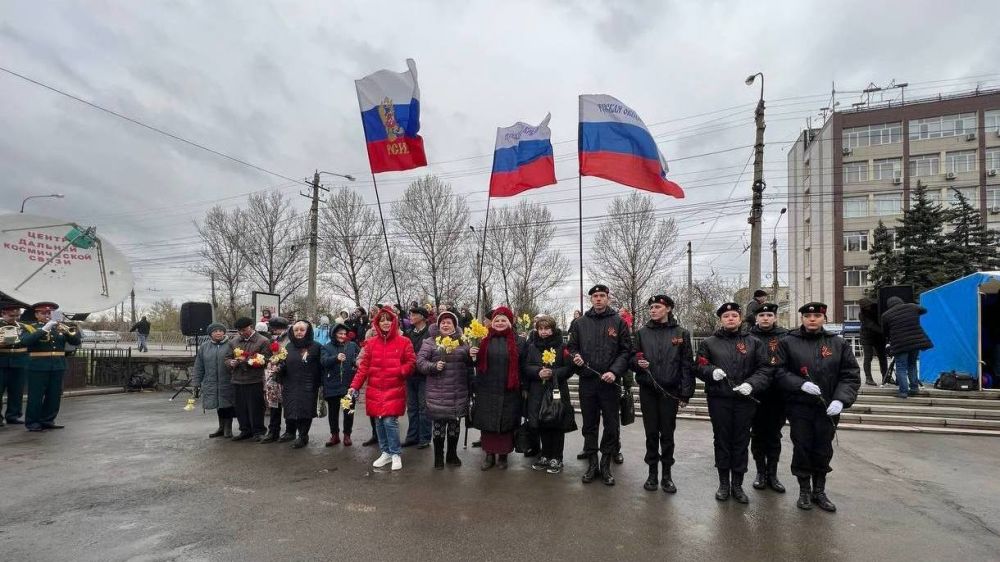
314, 239
757, 207
774, 255
54, 195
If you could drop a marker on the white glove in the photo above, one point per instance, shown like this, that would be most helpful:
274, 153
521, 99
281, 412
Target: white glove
745, 389
49, 325
718, 374
811, 388
835, 408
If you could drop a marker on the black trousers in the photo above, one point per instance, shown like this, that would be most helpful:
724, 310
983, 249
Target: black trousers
274, 419
872, 350
731, 419
812, 438
250, 407
226, 413
553, 442
659, 419
12, 382
599, 400
301, 426
765, 433
332, 407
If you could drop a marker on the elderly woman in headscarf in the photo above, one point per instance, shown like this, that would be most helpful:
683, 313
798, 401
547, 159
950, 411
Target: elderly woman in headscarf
497, 387
300, 375
446, 366
212, 380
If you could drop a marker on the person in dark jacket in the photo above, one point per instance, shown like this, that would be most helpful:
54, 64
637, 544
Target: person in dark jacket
300, 375
465, 318
447, 372
820, 377
734, 365
418, 430
663, 369
277, 334
872, 341
765, 432
141, 329
901, 326
600, 346
753, 307
543, 377
338, 358
247, 370
212, 380
497, 387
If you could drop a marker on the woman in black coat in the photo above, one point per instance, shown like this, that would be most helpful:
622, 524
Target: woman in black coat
542, 379
300, 375
338, 358
497, 407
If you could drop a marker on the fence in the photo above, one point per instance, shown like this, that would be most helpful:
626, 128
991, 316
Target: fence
100, 367
174, 341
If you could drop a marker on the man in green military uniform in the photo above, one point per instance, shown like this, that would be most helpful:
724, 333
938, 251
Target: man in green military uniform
46, 366
13, 360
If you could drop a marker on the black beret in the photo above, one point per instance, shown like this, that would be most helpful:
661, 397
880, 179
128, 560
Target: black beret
768, 307
727, 307
277, 322
6, 304
243, 322
338, 327
599, 289
813, 307
759, 293
660, 299
419, 310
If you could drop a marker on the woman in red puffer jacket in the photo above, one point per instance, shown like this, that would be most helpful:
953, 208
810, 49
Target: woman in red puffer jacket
387, 360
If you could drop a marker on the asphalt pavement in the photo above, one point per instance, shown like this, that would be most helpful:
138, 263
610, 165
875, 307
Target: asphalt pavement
134, 477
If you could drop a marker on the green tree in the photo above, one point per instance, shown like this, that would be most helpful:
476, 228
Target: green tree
923, 244
884, 260
973, 245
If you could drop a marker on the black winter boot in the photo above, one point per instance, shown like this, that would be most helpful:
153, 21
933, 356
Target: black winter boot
760, 482
489, 461
606, 476
738, 493
300, 441
270, 437
592, 469
502, 462
722, 494
819, 494
451, 458
653, 482
439, 453
772, 477
218, 432
286, 437
805, 493
227, 428
667, 483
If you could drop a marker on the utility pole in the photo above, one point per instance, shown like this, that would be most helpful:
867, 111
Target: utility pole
214, 304
132, 297
690, 272
313, 243
757, 207
774, 272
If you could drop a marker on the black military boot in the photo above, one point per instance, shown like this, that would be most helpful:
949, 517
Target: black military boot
653, 481
805, 493
772, 477
760, 482
286, 437
592, 468
738, 493
722, 494
667, 483
451, 458
218, 432
227, 428
606, 476
819, 494
438, 453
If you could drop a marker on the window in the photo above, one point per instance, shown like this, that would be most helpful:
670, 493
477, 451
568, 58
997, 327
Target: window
851, 311
888, 168
855, 207
971, 195
856, 276
943, 127
889, 204
856, 241
925, 165
961, 161
933, 196
895, 241
855, 172
885, 133
993, 159
991, 121
993, 199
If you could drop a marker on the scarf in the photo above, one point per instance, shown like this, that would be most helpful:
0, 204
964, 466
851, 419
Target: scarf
513, 378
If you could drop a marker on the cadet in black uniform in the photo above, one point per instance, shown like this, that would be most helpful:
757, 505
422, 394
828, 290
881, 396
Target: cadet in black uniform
819, 376
46, 345
733, 365
765, 433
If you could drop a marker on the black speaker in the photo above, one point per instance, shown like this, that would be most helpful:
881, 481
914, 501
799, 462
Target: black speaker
904, 292
195, 318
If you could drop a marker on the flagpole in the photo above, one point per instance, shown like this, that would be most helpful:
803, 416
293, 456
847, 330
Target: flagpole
579, 178
482, 253
385, 237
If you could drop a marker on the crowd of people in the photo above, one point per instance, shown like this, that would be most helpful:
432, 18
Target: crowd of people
514, 388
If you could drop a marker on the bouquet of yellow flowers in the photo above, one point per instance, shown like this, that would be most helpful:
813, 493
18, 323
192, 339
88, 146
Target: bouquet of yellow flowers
257, 360
446, 344
523, 324
238, 353
475, 333
347, 404
548, 359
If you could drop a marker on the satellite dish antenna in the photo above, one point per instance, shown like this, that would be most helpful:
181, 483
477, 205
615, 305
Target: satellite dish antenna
51, 259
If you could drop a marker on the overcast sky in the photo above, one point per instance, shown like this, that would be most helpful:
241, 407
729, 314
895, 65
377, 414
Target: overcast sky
271, 83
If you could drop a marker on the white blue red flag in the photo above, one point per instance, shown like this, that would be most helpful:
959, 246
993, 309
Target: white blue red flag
522, 159
390, 113
616, 145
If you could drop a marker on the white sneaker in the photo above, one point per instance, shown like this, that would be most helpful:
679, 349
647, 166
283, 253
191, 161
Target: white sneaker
397, 462
383, 460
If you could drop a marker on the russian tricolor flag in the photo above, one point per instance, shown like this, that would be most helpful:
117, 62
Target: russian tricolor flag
615, 145
522, 159
390, 113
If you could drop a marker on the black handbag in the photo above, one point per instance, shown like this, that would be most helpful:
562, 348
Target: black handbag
522, 438
552, 408
626, 405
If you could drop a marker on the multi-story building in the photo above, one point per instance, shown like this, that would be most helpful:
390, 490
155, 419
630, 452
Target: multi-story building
862, 165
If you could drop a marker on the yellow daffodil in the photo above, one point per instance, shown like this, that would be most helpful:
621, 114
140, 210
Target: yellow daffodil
446, 343
549, 357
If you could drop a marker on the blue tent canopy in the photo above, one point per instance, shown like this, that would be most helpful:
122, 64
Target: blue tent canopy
953, 324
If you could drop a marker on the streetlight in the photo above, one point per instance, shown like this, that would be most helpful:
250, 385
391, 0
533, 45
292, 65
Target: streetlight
347, 177
55, 195
774, 255
757, 207
313, 239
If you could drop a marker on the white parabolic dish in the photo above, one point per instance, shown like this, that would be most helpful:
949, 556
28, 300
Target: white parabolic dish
73, 279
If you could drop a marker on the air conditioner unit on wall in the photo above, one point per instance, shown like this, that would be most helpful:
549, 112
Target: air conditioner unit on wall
897, 181
991, 173
847, 151
949, 176
970, 137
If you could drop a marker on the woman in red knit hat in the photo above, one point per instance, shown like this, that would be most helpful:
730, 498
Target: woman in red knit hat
497, 407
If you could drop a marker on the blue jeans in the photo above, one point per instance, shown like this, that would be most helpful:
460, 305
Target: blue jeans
906, 372
387, 430
418, 429
142, 342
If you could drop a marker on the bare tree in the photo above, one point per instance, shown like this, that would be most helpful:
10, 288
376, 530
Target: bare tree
635, 249
276, 239
500, 253
224, 256
696, 307
354, 259
434, 222
535, 268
